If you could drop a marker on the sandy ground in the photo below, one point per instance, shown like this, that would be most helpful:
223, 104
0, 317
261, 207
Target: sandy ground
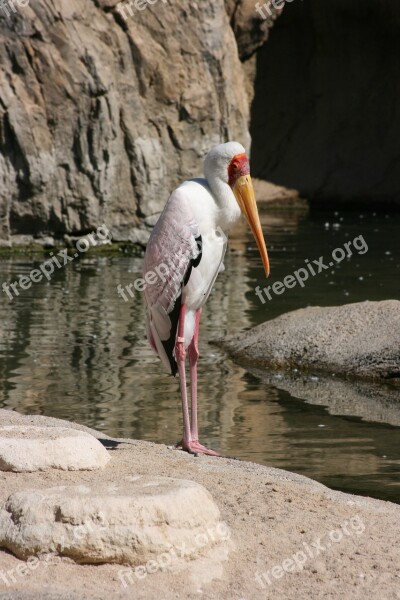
292, 538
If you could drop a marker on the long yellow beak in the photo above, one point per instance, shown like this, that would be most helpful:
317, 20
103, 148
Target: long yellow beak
244, 194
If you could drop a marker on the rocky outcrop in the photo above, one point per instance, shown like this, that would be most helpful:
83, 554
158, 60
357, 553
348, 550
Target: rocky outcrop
326, 116
102, 113
132, 522
276, 195
251, 30
360, 340
27, 449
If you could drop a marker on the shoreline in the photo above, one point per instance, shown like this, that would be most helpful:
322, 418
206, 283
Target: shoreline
273, 515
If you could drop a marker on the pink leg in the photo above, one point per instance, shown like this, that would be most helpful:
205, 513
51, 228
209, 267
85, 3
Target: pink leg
193, 358
195, 445
180, 355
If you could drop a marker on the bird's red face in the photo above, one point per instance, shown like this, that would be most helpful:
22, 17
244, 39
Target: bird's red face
238, 167
242, 187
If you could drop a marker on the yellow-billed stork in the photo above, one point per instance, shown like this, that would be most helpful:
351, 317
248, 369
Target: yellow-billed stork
183, 258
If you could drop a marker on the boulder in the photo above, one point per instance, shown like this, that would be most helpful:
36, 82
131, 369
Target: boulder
27, 449
275, 195
131, 521
361, 340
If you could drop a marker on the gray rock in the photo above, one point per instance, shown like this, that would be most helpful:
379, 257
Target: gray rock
101, 117
132, 521
361, 340
27, 449
276, 195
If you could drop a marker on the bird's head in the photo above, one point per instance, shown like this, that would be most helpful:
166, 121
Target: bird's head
229, 163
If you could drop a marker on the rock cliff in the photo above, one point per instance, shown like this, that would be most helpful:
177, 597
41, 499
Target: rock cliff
105, 108
102, 112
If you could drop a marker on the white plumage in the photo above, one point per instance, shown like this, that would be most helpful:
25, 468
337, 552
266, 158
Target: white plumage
186, 251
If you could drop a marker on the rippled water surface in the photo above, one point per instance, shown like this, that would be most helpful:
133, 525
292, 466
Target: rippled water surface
73, 349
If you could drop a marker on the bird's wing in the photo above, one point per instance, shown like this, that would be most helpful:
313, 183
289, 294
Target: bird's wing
174, 249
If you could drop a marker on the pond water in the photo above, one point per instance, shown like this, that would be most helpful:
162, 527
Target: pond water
72, 348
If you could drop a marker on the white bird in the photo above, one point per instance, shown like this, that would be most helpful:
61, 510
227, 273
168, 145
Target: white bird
183, 258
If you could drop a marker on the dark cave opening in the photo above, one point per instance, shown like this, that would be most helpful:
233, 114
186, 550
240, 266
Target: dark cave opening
326, 112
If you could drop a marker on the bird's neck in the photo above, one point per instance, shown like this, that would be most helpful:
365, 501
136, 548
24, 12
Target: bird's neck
228, 211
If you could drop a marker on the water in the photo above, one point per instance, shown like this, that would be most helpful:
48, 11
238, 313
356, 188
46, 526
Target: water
73, 349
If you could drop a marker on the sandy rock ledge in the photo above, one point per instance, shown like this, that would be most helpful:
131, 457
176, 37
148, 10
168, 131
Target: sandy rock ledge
290, 537
28, 449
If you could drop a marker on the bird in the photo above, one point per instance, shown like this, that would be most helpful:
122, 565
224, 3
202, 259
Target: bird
183, 258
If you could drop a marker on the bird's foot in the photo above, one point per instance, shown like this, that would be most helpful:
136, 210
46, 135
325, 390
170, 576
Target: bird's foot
194, 447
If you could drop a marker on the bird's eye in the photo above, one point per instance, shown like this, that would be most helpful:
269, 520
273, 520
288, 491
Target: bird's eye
235, 167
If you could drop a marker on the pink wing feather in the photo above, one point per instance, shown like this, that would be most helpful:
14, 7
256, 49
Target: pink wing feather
173, 250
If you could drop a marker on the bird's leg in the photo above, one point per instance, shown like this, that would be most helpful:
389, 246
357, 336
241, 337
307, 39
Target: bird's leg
193, 358
180, 355
193, 349
189, 443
